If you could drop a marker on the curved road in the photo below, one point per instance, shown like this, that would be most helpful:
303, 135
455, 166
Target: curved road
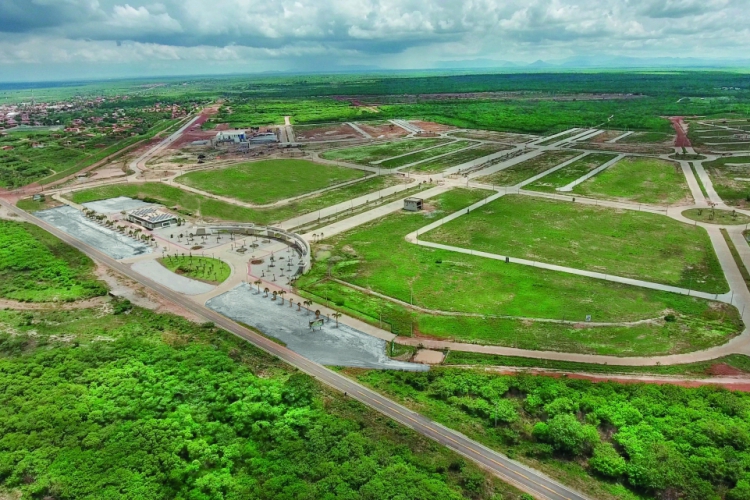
528, 480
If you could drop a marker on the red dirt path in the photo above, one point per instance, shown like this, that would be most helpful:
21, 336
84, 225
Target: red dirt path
681, 141
742, 385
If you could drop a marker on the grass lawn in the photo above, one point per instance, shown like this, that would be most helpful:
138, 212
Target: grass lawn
440, 164
194, 204
626, 243
727, 176
529, 168
724, 217
640, 180
646, 138
206, 269
364, 155
566, 175
423, 155
37, 267
375, 257
268, 181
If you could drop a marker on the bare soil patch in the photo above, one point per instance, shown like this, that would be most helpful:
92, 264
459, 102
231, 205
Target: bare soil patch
428, 357
384, 130
332, 132
432, 127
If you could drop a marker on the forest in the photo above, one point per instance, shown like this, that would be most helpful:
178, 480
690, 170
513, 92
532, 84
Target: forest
615, 440
37, 267
126, 403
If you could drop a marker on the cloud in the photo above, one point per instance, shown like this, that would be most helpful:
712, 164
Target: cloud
398, 33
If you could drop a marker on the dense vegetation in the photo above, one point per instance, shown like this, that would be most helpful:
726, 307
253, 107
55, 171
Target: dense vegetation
475, 299
149, 406
612, 440
37, 267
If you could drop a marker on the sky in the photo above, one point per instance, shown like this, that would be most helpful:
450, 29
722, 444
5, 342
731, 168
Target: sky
85, 39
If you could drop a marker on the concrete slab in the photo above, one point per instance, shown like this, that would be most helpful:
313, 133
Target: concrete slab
114, 205
73, 222
330, 345
173, 281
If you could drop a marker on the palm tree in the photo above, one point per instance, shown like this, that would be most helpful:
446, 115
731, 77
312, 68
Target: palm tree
258, 283
275, 294
291, 302
299, 306
336, 316
308, 303
281, 294
265, 290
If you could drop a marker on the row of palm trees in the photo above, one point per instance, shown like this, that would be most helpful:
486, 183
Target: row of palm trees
136, 234
307, 303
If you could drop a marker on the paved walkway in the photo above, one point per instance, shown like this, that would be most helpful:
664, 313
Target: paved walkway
619, 137
569, 187
358, 129
173, 281
562, 165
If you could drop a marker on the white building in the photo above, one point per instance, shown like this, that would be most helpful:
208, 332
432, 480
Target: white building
231, 136
151, 217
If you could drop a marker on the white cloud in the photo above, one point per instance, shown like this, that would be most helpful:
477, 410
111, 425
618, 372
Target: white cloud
369, 32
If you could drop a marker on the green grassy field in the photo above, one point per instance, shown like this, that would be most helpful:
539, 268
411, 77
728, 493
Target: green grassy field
206, 269
440, 164
724, 217
268, 181
191, 204
639, 180
364, 155
37, 267
626, 243
572, 172
646, 138
529, 168
375, 257
726, 175
419, 156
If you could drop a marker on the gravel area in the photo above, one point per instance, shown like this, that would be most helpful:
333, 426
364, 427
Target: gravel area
114, 205
330, 345
73, 222
163, 276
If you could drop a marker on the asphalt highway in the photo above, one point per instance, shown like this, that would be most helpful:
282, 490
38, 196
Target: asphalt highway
535, 483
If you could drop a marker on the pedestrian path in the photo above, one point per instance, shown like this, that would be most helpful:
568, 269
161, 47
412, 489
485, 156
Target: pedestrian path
358, 129
569, 187
535, 178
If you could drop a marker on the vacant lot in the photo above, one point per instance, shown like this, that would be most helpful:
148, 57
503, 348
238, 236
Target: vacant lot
423, 155
329, 132
488, 135
376, 258
268, 181
364, 155
37, 267
640, 180
529, 168
440, 164
731, 179
192, 204
574, 171
625, 243
647, 138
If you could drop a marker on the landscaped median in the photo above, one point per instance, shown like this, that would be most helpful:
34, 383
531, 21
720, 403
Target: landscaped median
374, 274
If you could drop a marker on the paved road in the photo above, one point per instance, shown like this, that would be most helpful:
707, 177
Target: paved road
533, 482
